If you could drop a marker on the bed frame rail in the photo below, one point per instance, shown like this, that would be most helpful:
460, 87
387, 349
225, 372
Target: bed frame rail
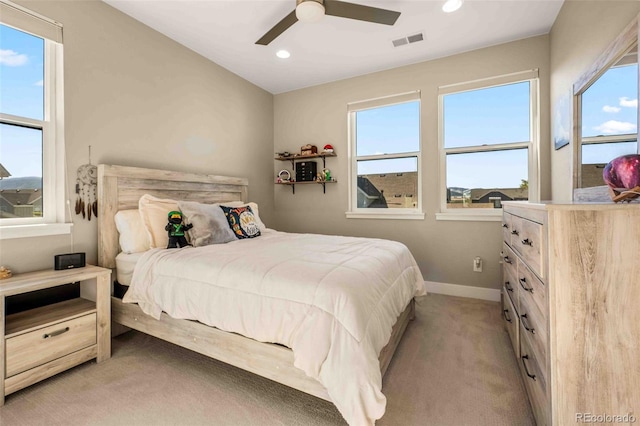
268, 360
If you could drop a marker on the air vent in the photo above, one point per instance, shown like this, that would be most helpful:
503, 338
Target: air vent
409, 39
400, 42
414, 38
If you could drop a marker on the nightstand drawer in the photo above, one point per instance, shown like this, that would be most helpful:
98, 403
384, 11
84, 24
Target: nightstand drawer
40, 346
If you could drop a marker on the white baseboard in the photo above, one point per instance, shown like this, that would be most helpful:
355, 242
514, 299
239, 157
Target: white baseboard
463, 291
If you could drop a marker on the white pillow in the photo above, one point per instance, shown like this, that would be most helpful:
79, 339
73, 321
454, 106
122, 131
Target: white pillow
254, 207
133, 235
154, 214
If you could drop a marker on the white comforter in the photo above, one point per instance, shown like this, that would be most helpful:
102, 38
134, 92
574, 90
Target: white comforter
332, 300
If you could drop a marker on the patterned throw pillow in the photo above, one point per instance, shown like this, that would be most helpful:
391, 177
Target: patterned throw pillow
242, 221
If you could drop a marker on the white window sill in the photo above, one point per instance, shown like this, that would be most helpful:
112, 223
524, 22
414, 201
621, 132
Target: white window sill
385, 214
34, 230
471, 216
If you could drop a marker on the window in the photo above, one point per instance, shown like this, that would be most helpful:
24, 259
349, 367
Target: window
385, 157
31, 133
609, 120
488, 140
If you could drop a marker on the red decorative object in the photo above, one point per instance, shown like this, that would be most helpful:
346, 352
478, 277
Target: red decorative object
622, 175
327, 148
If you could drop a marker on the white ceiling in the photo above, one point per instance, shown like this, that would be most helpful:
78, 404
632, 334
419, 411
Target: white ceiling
225, 31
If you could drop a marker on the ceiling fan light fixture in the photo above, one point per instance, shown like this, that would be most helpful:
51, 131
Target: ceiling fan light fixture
451, 5
309, 11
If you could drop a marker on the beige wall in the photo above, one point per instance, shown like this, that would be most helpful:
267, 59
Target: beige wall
444, 250
581, 32
140, 99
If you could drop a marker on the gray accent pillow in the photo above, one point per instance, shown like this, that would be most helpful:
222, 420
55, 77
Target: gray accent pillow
210, 225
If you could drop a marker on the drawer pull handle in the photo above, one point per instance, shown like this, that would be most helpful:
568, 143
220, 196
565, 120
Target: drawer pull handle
55, 333
527, 242
507, 285
525, 323
504, 225
506, 317
514, 232
523, 282
507, 260
533, 376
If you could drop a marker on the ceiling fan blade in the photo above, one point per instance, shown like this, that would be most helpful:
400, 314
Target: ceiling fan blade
278, 29
360, 12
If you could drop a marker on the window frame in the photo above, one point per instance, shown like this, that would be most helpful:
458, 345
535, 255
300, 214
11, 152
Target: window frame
495, 214
601, 139
53, 147
354, 212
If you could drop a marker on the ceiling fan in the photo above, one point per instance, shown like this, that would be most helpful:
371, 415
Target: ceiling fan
314, 10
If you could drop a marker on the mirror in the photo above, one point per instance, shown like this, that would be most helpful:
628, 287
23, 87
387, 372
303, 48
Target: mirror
605, 109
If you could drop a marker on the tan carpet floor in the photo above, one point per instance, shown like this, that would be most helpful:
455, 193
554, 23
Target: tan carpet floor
455, 366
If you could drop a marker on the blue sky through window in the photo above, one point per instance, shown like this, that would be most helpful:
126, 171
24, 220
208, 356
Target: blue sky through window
388, 130
21, 94
490, 116
610, 105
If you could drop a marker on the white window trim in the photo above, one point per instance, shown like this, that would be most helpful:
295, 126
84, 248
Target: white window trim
477, 214
53, 151
392, 213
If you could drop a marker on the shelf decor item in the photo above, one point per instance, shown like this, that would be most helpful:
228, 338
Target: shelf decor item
308, 149
327, 149
306, 171
5, 272
622, 175
283, 176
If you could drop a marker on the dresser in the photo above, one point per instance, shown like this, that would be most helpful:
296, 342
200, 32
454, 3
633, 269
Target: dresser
571, 307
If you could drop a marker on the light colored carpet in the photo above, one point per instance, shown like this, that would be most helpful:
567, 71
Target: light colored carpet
455, 366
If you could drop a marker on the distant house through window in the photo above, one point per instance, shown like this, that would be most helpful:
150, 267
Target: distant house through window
31, 138
488, 140
385, 155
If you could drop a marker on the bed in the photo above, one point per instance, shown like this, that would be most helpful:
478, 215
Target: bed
121, 188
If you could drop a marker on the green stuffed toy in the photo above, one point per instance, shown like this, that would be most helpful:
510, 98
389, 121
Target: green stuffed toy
176, 230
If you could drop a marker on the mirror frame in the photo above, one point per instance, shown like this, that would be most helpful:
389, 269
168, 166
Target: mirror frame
629, 37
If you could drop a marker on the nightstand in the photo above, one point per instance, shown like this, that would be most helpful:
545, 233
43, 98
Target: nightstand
41, 342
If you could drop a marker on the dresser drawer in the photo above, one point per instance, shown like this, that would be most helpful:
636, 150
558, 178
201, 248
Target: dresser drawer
510, 317
529, 243
506, 227
534, 380
533, 324
510, 286
530, 289
509, 260
39, 346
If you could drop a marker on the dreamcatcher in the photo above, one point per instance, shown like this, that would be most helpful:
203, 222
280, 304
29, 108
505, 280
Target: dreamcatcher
86, 188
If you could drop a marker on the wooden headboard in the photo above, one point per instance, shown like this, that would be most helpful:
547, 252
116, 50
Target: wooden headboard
120, 188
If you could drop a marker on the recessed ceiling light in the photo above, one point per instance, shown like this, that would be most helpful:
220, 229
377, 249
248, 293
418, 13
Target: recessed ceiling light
283, 54
451, 5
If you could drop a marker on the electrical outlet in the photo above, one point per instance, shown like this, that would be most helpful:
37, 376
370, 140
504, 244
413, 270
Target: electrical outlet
477, 264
